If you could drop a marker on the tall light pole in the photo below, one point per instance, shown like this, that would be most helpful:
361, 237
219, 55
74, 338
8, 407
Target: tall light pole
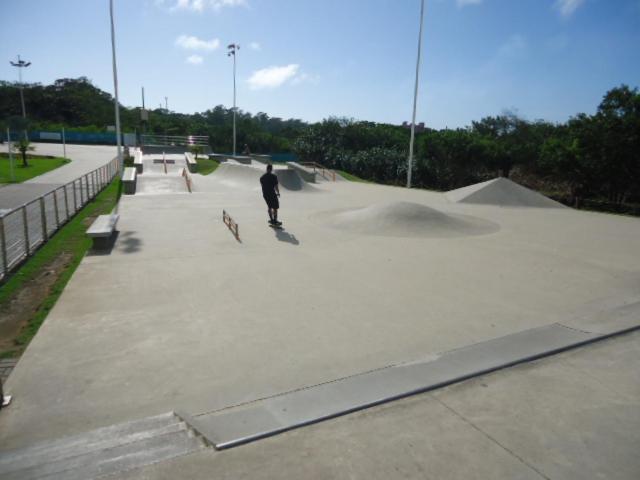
166, 104
415, 99
20, 64
232, 52
115, 87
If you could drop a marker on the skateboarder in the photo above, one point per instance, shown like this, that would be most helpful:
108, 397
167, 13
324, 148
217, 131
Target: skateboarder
271, 192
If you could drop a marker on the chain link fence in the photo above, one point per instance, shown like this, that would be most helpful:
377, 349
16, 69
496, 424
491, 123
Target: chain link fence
25, 228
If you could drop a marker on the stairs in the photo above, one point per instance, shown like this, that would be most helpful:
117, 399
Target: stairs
106, 451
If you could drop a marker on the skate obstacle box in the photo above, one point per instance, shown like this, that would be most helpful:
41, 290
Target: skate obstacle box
101, 230
191, 162
129, 180
307, 174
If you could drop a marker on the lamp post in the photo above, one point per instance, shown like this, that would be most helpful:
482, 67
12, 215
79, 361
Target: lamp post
415, 99
20, 64
232, 52
115, 87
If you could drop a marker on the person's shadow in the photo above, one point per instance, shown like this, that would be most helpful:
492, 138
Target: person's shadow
284, 236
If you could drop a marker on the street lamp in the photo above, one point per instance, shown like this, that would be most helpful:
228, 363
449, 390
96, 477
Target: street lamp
21, 64
415, 99
232, 52
115, 87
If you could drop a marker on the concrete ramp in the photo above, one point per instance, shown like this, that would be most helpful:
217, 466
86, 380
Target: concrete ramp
160, 184
501, 192
247, 177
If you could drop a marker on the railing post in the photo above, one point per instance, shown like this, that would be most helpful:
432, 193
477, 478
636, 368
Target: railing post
55, 208
27, 243
66, 201
3, 238
75, 200
43, 218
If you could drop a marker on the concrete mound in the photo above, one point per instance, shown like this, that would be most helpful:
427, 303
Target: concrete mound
406, 219
502, 192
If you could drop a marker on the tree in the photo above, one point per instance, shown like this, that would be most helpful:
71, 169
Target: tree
196, 150
23, 146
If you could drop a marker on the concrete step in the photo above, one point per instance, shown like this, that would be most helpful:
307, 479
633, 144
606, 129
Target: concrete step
106, 451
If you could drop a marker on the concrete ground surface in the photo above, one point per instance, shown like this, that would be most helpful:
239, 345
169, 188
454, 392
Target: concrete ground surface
181, 315
571, 416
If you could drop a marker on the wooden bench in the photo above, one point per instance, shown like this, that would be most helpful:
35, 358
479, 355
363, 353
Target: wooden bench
192, 164
102, 229
129, 180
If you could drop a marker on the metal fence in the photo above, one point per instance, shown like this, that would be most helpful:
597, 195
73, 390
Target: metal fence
25, 228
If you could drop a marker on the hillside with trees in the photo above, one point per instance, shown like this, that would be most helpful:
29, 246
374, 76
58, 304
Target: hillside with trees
590, 160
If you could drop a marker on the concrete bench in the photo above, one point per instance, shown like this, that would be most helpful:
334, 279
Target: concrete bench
192, 164
137, 161
102, 229
129, 178
307, 174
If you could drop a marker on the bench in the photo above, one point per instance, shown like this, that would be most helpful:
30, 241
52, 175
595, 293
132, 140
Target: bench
192, 164
129, 180
307, 174
102, 229
137, 161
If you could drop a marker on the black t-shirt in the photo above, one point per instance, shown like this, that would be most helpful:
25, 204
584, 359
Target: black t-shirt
269, 182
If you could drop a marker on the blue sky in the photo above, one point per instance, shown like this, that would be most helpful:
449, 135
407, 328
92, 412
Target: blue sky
311, 59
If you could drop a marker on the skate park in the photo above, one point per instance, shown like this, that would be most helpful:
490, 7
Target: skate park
369, 294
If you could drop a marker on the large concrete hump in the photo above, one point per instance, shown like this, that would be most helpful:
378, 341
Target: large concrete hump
502, 192
405, 219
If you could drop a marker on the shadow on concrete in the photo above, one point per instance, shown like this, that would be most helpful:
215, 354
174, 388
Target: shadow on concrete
284, 236
129, 243
106, 249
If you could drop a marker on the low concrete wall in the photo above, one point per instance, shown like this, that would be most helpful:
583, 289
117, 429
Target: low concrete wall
223, 158
266, 159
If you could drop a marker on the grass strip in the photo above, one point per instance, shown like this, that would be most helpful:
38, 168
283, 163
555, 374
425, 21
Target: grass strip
207, 166
36, 166
352, 178
70, 240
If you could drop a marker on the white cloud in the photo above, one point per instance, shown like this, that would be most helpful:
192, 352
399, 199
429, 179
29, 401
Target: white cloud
305, 78
255, 46
194, 60
201, 5
272, 77
193, 43
568, 7
464, 3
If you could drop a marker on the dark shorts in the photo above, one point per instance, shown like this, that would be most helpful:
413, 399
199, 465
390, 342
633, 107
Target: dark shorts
272, 200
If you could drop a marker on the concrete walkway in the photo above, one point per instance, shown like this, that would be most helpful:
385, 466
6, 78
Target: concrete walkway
85, 159
181, 315
573, 416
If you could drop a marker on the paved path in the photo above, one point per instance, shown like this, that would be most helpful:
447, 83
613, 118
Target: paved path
85, 158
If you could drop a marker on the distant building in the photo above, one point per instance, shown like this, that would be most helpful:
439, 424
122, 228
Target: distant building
419, 127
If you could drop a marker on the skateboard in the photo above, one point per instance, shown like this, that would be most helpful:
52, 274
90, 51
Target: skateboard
277, 227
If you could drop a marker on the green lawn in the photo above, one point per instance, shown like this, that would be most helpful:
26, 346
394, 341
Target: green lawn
352, 178
70, 241
37, 166
206, 165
